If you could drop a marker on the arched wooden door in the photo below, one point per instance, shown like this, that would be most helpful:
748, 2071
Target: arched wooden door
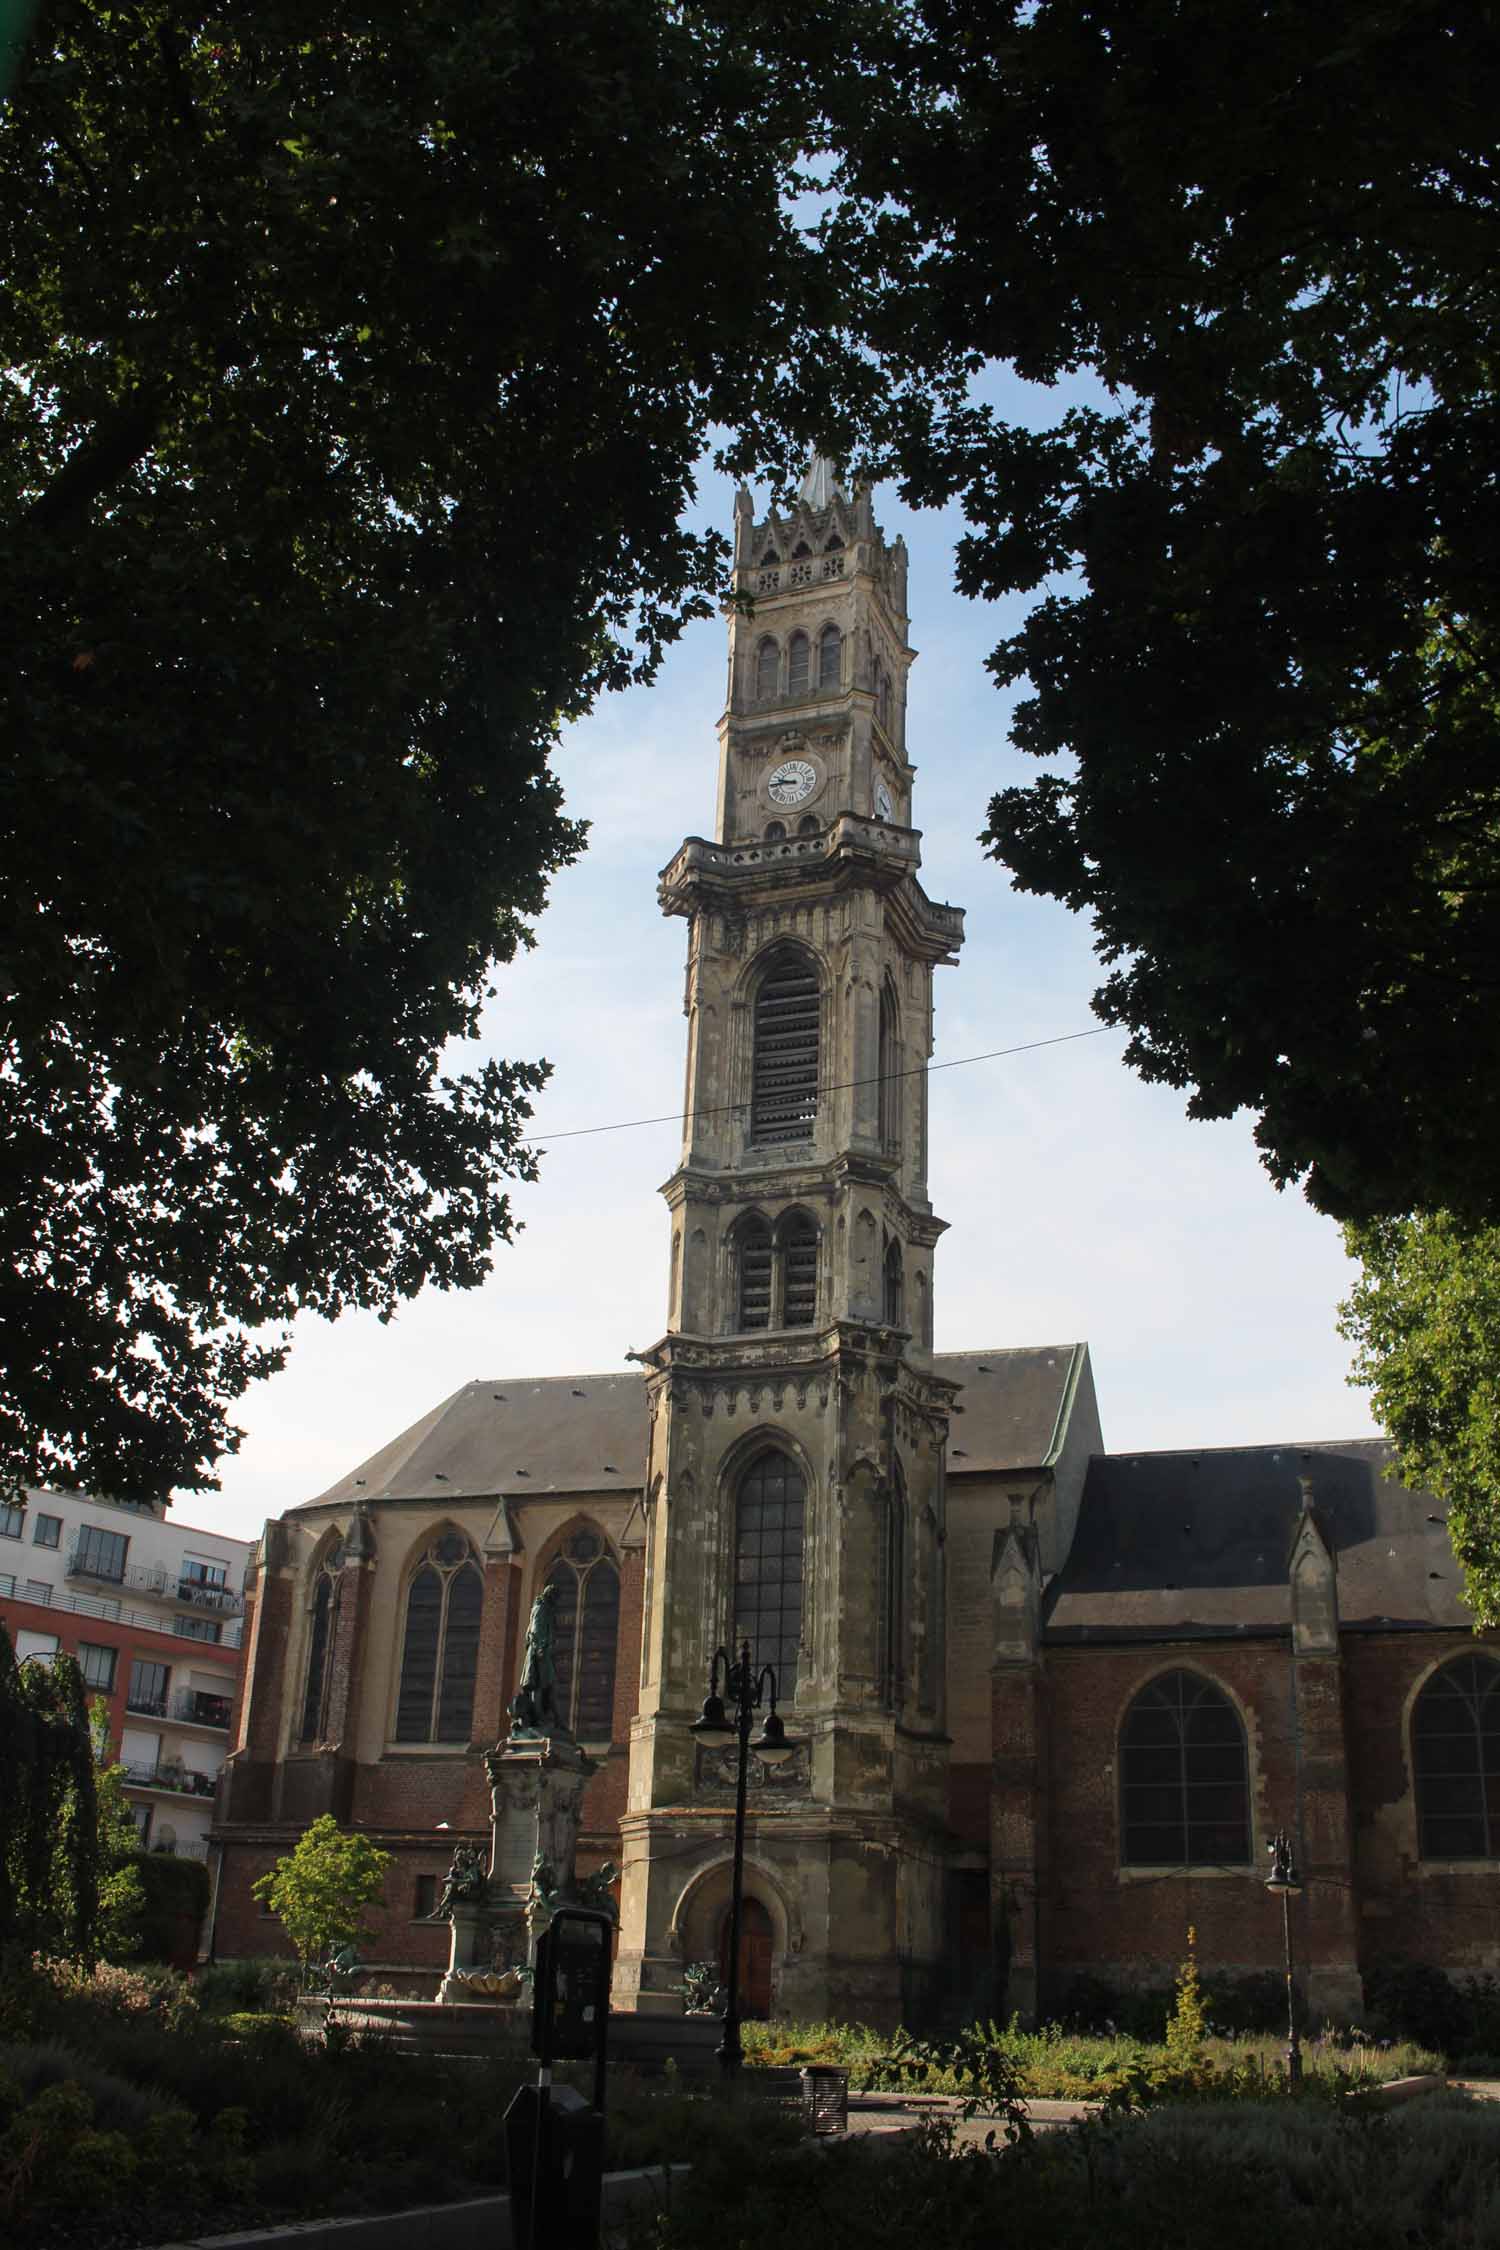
755, 1959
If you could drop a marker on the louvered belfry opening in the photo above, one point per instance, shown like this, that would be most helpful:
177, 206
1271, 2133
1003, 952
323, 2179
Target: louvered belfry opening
799, 1270
784, 1079
755, 1274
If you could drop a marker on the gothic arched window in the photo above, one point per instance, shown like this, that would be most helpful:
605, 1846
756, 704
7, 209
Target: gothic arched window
775, 831
808, 824
797, 1256
768, 1564
893, 1290
1455, 1740
1184, 1780
440, 1647
798, 664
586, 1628
767, 670
890, 1067
830, 657
784, 1064
324, 1617
753, 1253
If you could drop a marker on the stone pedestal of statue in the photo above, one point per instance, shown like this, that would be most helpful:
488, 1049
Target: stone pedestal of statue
536, 1798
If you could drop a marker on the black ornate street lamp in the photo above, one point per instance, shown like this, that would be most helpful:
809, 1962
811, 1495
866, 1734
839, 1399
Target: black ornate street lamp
747, 1690
1285, 1883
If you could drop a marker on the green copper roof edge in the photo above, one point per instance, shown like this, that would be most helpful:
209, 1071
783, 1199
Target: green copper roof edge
1065, 1407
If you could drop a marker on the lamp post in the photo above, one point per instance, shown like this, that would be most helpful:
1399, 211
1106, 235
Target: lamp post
746, 1689
1285, 1883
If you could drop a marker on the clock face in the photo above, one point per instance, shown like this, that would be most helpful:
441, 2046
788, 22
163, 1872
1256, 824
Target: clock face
792, 781
882, 802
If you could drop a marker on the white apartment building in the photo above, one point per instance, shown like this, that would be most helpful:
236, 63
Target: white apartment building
152, 1608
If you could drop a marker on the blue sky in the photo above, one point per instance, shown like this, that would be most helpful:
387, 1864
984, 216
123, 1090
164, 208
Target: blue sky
1082, 1203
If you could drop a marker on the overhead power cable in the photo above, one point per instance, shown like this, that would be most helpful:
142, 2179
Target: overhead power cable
722, 1109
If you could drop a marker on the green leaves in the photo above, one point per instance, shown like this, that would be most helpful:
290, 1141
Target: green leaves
1424, 1317
320, 1890
345, 455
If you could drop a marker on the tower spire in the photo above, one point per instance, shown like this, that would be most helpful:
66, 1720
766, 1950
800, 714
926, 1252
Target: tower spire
820, 485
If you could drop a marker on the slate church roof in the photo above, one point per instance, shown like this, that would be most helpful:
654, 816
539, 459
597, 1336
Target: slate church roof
553, 1434
1196, 1545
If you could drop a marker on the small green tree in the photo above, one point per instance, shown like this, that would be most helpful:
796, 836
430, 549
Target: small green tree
319, 1892
1187, 2025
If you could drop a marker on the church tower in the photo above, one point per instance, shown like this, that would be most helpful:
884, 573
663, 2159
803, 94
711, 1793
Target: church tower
797, 1427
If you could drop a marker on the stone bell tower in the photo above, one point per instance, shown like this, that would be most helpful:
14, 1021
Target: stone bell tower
797, 1429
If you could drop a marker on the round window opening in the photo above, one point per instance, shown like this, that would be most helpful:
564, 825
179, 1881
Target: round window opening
584, 1546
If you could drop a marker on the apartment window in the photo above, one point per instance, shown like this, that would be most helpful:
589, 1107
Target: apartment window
97, 1664
424, 1898
46, 1531
101, 1554
11, 1519
440, 1645
148, 1687
40, 1647
198, 1628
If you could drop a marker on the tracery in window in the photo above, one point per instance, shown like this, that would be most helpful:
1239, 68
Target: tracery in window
1184, 1779
776, 1271
784, 1063
586, 1632
324, 1616
798, 664
1455, 1740
768, 1523
440, 1645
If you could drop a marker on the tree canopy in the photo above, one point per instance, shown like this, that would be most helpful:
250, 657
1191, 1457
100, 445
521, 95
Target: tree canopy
1424, 1317
356, 367
320, 1889
1265, 643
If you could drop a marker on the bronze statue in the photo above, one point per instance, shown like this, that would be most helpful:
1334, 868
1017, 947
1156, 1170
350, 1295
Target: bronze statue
533, 1707
465, 1883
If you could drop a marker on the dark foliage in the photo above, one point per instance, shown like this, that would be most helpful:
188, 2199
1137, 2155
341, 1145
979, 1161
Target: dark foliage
49, 1844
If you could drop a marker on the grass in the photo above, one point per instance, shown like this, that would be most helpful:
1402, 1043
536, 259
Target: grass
1082, 2066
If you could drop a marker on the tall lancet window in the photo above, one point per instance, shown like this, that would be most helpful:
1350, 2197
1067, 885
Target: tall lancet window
586, 1632
1455, 1739
767, 670
891, 1084
768, 1517
752, 1245
784, 1067
893, 1591
440, 1645
797, 1242
830, 657
798, 664
893, 1308
323, 1624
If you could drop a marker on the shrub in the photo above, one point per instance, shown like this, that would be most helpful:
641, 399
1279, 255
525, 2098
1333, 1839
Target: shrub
174, 1898
256, 1987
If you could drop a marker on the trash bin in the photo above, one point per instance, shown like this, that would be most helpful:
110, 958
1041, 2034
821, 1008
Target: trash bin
554, 2148
825, 2098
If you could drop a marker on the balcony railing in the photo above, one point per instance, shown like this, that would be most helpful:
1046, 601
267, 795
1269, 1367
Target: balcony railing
145, 1706
152, 1578
98, 1605
200, 1710
181, 1780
